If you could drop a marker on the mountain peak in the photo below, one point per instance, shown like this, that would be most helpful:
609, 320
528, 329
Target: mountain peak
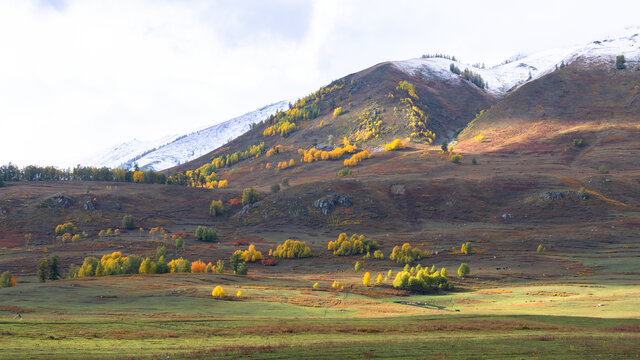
521, 68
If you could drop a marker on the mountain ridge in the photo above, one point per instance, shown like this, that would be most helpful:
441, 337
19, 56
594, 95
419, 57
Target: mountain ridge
174, 150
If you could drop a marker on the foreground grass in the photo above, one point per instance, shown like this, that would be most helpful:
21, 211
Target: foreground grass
279, 317
421, 337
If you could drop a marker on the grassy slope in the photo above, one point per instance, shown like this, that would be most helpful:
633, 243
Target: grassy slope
579, 300
174, 315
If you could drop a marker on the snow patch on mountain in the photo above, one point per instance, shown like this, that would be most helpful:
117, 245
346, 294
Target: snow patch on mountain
115, 157
175, 150
522, 68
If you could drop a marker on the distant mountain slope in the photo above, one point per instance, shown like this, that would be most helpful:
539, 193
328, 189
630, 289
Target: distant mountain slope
122, 153
588, 100
175, 150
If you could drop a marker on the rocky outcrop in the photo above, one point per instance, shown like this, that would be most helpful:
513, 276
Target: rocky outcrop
327, 203
398, 189
245, 209
558, 195
56, 202
551, 195
89, 205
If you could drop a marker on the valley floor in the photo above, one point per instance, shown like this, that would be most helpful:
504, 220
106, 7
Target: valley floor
280, 315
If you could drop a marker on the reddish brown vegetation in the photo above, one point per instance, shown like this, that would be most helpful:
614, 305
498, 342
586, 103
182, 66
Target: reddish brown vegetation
269, 262
15, 309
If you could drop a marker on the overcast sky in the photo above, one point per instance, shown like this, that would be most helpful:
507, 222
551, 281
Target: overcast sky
79, 76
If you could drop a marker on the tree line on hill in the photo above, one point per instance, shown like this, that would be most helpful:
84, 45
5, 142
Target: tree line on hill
13, 173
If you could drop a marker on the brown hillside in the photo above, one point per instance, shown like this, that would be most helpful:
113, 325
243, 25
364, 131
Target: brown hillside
581, 101
449, 107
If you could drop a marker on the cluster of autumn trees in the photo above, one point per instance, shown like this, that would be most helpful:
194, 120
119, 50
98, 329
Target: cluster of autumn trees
284, 122
218, 292
275, 150
408, 87
396, 144
278, 149
291, 249
417, 278
336, 154
228, 160
357, 158
249, 255
369, 123
283, 164
108, 233
416, 118
422, 279
116, 264
7, 280
285, 125
68, 232
206, 177
355, 245
216, 208
250, 195
405, 254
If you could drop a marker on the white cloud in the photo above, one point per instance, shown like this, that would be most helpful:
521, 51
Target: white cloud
81, 75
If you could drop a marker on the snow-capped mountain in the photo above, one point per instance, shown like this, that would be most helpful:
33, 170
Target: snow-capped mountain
116, 156
174, 150
522, 68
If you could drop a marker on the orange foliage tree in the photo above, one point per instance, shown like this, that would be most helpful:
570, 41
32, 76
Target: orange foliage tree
357, 158
198, 266
138, 176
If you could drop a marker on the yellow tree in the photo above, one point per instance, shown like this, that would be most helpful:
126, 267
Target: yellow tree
379, 279
366, 280
218, 292
138, 177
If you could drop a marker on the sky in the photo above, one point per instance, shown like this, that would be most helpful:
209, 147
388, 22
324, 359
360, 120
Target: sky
80, 76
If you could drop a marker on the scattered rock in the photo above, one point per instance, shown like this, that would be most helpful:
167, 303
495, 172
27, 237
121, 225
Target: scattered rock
558, 195
89, 205
398, 189
56, 202
245, 209
327, 203
324, 147
551, 195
